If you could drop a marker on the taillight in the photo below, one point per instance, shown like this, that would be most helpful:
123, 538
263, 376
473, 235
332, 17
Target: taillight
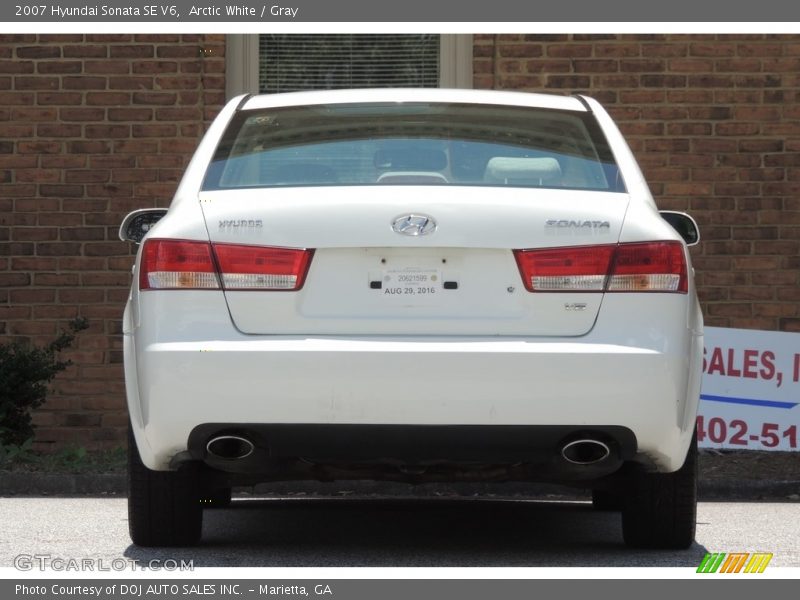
177, 264
181, 264
634, 267
577, 269
649, 267
262, 268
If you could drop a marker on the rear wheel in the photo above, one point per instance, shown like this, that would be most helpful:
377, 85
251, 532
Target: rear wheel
163, 506
660, 509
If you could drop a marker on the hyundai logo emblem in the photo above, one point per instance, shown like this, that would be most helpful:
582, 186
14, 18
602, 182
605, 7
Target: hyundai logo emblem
414, 225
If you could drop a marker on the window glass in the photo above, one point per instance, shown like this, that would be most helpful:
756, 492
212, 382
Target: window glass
413, 144
289, 63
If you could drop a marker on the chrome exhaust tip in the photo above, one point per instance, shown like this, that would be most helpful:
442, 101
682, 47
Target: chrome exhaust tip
585, 452
230, 447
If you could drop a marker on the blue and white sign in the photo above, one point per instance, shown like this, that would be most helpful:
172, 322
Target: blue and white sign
750, 398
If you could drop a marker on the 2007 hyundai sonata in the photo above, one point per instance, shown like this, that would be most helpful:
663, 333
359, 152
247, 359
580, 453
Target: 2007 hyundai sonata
416, 286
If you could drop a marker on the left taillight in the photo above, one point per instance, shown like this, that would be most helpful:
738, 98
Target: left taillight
177, 265
183, 264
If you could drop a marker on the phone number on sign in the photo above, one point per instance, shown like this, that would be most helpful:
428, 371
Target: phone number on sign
737, 433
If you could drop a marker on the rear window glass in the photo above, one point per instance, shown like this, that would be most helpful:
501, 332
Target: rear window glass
413, 144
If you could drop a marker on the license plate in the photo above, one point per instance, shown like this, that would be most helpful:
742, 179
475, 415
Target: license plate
411, 282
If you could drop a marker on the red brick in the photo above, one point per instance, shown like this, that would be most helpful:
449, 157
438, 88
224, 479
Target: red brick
70, 191
107, 98
114, 161
712, 49
16, 66
141, 147
85, 51
134, 175
159, 98
568, 50
22, 82
110, 190
32, 296
38, 176
82, 114
17, 191
58, 131
39, 52
179, 51
177, 82
154, 130
107, 131
106, 249
15, 130
16, 98
33, 114
56, 279
667, 81
132, 51
92, 147
152, 67
130, 114
87, 176
130, 83
59, 67
85, 83
58, 98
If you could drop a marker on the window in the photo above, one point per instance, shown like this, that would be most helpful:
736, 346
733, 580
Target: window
270, 63
412, 143
289, 63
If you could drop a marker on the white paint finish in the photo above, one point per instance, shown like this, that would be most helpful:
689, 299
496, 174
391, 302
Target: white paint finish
532, 100
225, 375
495, 357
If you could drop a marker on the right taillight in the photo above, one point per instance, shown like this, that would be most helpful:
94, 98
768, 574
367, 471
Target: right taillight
184, 264
649, 267
632, 267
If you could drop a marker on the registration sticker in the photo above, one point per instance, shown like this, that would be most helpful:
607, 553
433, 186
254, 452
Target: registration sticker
411, 282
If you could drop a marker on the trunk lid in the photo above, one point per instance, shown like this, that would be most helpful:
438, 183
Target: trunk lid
365, 278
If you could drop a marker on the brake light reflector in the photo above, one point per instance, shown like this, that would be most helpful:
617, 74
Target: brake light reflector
575, 269
262, 268
177, 264
631, 267
183, 264
649, 267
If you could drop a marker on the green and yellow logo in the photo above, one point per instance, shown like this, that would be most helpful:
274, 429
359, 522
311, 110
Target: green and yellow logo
734, 562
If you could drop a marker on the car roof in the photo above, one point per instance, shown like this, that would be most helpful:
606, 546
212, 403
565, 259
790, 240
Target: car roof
489, 97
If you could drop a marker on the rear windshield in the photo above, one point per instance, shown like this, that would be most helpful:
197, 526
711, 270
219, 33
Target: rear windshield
413, 144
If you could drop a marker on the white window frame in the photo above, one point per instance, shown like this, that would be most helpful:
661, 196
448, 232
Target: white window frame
241, 63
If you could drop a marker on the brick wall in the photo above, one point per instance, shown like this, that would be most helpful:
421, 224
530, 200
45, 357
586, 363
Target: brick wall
91, 127
714, 121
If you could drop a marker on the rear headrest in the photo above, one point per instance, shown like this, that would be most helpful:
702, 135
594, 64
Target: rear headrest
537, 171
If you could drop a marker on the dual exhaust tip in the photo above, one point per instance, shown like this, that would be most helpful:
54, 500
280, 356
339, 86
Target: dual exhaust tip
578, 452
585, 452
230, 447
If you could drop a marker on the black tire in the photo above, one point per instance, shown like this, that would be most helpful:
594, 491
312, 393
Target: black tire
163, 506
606, 500
660, 509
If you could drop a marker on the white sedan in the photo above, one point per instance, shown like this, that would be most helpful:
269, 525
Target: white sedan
416, 286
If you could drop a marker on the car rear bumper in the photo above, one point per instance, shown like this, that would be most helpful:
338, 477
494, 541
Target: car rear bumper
577, 383
547, 451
